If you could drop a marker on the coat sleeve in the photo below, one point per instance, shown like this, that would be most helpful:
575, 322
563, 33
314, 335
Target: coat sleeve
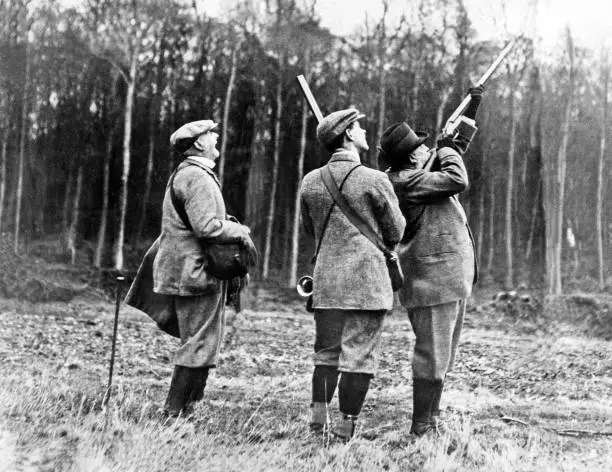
205, 207
306, 219
424, 186
387, 210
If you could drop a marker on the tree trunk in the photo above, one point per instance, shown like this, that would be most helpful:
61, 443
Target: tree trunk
226, 111
555, 228
274, 184
481, 204
492, 211
99, 255
22, 144
533, 195
605, 76
446, 94
258, 165
3, 173
153, 131
382, 108
297, 207
508, 233
127, 136
76, 213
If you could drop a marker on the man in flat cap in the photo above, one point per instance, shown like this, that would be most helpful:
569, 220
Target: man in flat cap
351, 285
436, 254
193, 216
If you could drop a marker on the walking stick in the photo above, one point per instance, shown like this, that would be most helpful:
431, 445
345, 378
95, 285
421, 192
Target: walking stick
120, 278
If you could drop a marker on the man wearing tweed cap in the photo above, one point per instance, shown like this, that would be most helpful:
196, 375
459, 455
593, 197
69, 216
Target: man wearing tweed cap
193, 217
351, 285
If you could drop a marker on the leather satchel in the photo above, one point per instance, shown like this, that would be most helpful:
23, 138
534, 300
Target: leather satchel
393, 265
225, 260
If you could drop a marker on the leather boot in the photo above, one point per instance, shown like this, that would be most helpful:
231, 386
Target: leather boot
179, 391
438, 424
197, 381
345, 428
318, 418
423, 397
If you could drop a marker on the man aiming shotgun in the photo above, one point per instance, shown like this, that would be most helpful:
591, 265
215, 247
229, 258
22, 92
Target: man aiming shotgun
437, 249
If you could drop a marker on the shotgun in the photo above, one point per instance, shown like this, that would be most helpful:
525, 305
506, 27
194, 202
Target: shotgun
459, 125
312, 103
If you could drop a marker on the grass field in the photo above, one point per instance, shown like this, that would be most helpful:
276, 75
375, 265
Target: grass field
523, 397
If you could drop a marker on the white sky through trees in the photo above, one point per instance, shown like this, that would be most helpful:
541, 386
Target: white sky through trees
589, 20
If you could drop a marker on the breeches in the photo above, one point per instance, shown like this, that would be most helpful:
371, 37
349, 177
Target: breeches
201, 322
437, 329
348, 339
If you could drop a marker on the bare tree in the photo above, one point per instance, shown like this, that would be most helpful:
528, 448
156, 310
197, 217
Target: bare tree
226, 108
556, 194
295, 233
22, 145
605, 79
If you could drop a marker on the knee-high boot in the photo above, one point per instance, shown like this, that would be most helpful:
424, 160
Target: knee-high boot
423, 398
198, 379
180, 389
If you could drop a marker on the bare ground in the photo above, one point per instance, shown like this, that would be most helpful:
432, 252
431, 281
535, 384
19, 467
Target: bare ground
523, 396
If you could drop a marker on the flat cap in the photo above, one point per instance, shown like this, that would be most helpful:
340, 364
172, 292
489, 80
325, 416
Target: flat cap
186, 135
334, 124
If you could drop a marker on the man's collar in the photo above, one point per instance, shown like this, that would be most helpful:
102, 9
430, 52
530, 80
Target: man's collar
205, 161
341, 154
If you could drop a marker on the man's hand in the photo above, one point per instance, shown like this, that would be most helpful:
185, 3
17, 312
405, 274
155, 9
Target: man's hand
459, 143
476, 94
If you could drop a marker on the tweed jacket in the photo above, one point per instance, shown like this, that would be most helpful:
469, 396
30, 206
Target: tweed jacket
179, 267
437, 250
350, 273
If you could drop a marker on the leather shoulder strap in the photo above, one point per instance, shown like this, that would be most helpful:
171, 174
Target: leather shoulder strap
314, 258
178, 205
348, 211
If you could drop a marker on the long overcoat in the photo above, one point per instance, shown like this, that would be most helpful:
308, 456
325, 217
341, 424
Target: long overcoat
350, 273
180, 265
437, 250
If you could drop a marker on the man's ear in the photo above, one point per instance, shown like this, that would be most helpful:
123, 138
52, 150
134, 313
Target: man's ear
348, 133
196, 144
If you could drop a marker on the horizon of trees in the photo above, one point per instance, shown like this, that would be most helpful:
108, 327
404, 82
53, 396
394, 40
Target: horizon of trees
90, 95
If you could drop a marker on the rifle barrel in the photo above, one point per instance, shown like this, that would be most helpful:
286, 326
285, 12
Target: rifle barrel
310, 98
466, 101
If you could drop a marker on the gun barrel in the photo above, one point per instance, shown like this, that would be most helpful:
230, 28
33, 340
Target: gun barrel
496, 63
310, 98
486, 76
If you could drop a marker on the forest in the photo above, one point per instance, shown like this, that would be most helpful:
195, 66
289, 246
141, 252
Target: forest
90, 93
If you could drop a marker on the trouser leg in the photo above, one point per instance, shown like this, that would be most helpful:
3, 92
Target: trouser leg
437, 329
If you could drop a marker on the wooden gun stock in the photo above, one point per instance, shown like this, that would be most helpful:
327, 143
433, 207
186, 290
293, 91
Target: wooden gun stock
312, 103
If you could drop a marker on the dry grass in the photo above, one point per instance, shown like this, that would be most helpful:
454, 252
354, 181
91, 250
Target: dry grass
254, 415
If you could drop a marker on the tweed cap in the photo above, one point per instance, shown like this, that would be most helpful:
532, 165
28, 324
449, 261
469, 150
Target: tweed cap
399, 140
184, 137
334, 124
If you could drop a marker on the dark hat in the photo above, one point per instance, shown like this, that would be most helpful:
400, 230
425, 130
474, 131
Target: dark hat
334, 124
184, 137
399, 139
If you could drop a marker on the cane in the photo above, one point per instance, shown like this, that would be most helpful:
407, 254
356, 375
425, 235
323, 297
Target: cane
119, 279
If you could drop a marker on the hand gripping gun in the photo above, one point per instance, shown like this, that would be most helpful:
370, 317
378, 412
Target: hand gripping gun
460, 127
